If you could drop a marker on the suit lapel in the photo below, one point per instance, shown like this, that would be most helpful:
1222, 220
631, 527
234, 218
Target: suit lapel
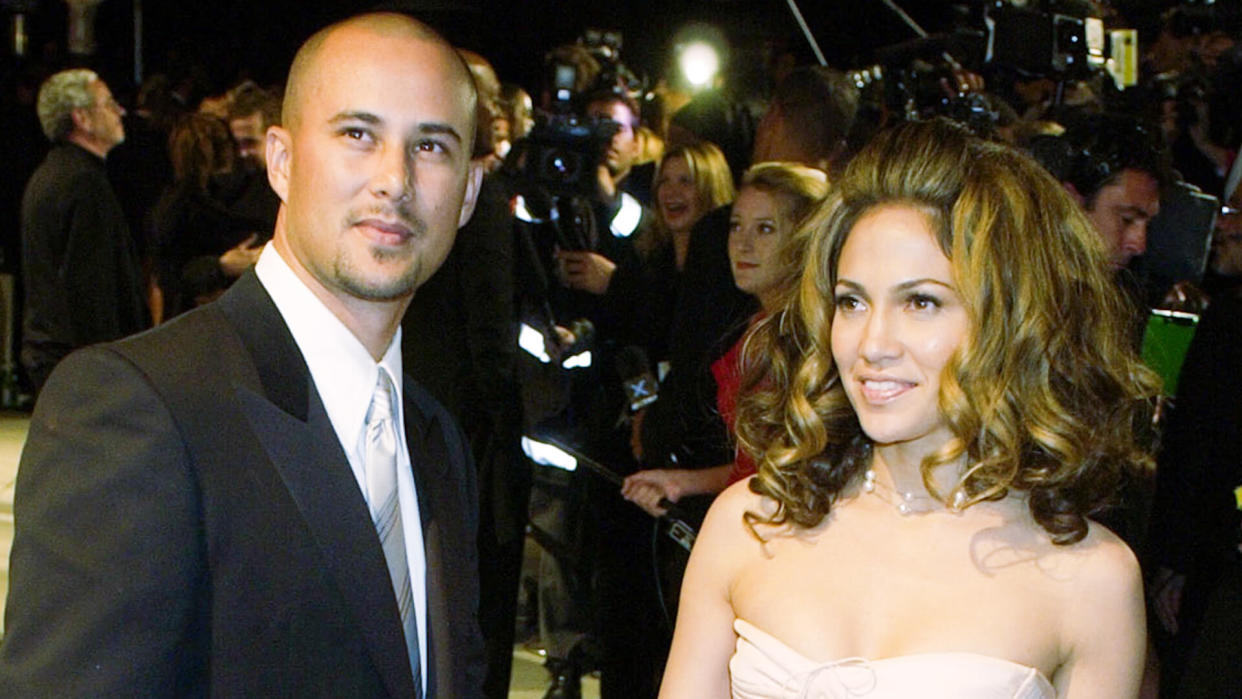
290, 422
429, 459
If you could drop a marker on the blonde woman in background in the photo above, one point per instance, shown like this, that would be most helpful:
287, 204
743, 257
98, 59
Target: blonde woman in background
766, 250
690, 180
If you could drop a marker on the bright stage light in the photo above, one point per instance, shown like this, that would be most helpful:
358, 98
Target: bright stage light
699, 63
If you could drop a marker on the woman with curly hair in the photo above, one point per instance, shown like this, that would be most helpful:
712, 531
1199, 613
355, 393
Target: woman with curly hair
946, 397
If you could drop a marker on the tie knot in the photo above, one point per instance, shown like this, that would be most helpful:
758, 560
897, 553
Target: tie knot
381, 400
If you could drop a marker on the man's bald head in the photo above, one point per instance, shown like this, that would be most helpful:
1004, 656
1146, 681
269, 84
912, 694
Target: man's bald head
385, 24
372, 166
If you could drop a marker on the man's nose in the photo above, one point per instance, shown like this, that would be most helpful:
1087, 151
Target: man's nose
392, 174
1136, 240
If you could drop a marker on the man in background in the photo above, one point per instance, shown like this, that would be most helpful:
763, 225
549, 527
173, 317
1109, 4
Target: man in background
81, 274
251, 111
1114, 168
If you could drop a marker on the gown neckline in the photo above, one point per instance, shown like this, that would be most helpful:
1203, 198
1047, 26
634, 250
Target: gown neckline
751, 630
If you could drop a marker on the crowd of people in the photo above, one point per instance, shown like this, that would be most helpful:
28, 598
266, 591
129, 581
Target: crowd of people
907, 391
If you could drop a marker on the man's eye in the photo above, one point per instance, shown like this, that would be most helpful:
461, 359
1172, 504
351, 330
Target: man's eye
354, 133
431, 147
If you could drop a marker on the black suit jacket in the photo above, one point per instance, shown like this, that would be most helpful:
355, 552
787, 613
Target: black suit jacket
709, 316
187, 524
81, 275
1195, 518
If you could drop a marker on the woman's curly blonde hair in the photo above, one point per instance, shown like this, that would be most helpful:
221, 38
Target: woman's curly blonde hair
1045, 395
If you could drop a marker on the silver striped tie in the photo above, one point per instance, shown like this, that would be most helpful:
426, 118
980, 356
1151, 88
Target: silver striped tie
381, 465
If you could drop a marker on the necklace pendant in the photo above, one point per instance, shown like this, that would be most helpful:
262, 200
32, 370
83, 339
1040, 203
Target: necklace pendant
868, 484
959, 501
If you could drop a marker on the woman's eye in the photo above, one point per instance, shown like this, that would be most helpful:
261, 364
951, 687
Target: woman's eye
846, 302
767, 228
923, 302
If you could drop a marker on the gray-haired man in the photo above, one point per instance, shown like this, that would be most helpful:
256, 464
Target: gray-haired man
81, 274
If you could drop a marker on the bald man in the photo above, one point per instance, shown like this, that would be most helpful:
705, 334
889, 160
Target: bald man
204, 509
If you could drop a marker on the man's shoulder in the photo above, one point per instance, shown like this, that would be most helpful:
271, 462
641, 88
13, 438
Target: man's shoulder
66, 174
192, 365
68, 160
192, 351
200, 326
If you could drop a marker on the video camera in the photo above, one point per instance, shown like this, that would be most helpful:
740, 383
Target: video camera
561, 154
1046, 38
1056, 39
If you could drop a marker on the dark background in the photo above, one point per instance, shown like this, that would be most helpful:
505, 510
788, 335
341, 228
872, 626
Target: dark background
234, 39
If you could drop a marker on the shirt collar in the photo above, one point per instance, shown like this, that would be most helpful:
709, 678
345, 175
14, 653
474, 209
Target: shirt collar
343, 371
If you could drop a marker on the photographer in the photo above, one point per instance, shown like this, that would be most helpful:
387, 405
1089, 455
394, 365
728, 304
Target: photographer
616, 211
612, 272
580, 227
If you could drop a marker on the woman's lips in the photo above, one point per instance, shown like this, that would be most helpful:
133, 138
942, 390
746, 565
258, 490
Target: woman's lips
675, 210
881, 391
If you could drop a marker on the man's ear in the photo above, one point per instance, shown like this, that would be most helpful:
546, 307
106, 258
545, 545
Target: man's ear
279, 145
474, 181
1073, 192
81, 120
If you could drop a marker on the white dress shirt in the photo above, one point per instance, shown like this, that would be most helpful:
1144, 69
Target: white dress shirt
345, 376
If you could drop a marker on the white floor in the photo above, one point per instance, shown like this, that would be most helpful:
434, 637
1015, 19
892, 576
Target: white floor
12, 436
530, 680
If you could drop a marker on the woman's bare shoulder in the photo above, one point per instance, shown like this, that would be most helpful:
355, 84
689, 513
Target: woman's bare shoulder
733, 513
1097, 572
1102, 629
1109, 566
739, 497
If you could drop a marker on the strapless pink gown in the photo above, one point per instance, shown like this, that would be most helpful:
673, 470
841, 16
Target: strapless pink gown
763, 667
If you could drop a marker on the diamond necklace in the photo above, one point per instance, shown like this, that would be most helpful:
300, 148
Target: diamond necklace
908, 502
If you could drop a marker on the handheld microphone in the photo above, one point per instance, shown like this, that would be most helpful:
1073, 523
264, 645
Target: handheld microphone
640, 384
